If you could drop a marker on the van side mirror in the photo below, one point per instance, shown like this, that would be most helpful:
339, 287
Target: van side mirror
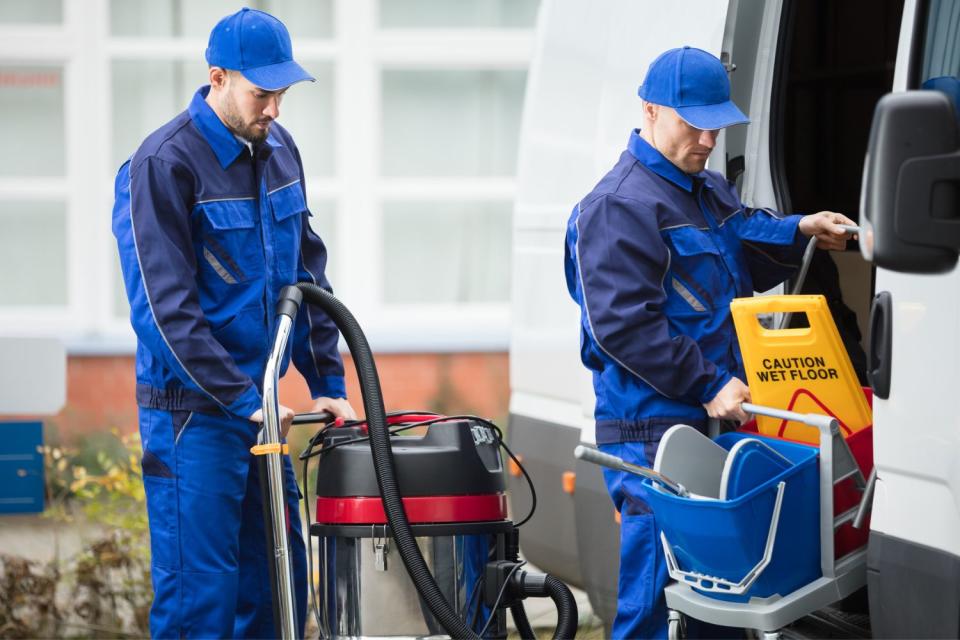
910, 199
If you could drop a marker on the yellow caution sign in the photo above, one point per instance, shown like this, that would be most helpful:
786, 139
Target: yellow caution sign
804, 370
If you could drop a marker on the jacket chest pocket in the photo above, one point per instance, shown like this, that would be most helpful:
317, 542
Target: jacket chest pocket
697, 280
230, 248
288, 206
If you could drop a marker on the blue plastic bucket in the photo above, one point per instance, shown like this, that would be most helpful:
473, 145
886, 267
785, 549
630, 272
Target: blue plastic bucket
727, 538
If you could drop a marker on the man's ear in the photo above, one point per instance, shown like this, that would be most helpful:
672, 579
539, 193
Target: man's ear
218, 78
650, 110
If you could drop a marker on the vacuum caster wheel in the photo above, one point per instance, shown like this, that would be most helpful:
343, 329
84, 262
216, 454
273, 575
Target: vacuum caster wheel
676, 629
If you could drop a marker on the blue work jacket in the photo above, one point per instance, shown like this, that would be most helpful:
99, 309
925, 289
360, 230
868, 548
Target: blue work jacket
654, 256
208, 234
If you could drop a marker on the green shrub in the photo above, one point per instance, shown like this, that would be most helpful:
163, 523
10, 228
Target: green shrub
104, 590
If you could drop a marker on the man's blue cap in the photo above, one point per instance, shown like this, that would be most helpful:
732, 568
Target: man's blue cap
693, 82
258, 46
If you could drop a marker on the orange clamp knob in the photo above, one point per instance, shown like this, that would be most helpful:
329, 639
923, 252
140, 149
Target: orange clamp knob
514, 467
264, 449
569, 482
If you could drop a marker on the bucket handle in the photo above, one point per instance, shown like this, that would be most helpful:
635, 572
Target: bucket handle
712, 584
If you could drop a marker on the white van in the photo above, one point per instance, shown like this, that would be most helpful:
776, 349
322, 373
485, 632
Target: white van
810, 75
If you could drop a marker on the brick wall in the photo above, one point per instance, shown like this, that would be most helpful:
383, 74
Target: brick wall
100, 390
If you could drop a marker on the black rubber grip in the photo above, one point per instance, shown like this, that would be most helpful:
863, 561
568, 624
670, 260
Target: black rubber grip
313, 418
289, 302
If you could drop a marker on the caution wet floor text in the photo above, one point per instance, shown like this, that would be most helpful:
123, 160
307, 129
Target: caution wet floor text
806, 370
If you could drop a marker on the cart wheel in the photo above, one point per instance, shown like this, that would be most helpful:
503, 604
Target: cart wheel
673, 630
675, 627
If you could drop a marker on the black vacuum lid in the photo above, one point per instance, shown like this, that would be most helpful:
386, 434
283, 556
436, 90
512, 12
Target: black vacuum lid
457, 457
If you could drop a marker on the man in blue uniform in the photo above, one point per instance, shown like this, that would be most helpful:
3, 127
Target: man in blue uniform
654, 255
211, 222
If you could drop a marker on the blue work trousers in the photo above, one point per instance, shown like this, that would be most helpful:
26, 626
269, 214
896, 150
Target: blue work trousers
211, 577
641, 607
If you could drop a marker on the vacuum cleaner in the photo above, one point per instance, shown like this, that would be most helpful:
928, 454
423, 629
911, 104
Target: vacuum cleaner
411, 513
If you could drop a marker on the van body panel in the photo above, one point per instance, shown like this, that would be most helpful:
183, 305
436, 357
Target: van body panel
916, 589
917, 428
547, 453
592, 56
566, 146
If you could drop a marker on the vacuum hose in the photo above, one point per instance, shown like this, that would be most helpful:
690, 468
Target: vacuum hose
289, 303
520, 619
544, 584
566, 608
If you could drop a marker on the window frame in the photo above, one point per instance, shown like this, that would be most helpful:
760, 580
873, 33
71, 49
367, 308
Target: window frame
358, 50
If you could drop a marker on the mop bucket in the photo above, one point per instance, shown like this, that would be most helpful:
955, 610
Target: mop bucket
846, 495
763, 542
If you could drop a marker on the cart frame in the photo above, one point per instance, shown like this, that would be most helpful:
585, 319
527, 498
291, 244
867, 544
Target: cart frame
840, 576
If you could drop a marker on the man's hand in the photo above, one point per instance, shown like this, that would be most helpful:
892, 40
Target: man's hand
286, 419
726, 404
339, 407
825, 225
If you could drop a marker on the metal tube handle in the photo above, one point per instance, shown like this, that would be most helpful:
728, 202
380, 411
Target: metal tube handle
595, 456
714, 584
805, 267
825, 424
286, 312
866, 501
801, 278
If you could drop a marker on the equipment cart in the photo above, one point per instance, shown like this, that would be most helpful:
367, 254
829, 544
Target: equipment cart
695, 594
768, 557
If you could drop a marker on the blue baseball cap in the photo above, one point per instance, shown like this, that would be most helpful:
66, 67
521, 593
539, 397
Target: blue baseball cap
258, 46
693, 82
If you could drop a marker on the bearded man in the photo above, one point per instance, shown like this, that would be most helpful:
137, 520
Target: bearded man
211, 222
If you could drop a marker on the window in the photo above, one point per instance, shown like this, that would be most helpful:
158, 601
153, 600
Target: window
461, 13
408, 138
941, 55
179, 18
307, 113
147, 94
32, 12
446, 252
451, 123
33, 254
32, 96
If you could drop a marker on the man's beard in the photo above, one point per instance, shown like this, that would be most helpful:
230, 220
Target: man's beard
237, 125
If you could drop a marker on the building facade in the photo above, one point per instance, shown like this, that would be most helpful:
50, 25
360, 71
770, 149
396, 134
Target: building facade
409, 140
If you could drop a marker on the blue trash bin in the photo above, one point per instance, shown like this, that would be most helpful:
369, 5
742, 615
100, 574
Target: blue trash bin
727, 538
